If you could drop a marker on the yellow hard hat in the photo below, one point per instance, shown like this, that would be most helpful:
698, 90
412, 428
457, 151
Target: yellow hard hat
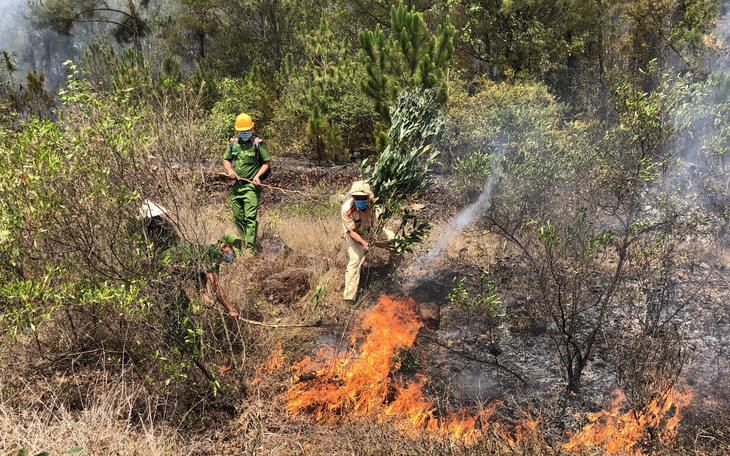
360, 188
244, 122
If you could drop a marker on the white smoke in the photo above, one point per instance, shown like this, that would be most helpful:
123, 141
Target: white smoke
13, 23
467, 217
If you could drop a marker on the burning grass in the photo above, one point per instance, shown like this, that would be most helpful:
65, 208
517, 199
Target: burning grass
362, 383
338, 387
631, 431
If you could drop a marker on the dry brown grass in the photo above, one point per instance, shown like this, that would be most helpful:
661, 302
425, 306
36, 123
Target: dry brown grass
109, 421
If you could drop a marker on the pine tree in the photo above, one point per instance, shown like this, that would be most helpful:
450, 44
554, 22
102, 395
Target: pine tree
204, 84
195, 27
61, 16
131, 74
327, 78
410, 57
169, 81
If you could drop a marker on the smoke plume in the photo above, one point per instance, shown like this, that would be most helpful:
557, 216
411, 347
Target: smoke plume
467, 217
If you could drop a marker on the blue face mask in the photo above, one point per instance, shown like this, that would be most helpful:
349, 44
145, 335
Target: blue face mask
244, 135
362, 205
230, 257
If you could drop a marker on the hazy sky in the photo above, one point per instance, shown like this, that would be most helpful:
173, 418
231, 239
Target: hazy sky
11, 22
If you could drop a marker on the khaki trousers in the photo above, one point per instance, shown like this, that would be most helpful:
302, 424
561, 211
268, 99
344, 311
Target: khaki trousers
352, 274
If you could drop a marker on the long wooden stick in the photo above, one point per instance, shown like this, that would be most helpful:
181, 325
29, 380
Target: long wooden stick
286, 190
277, 325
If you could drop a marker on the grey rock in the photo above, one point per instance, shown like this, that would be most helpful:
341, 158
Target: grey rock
273, 247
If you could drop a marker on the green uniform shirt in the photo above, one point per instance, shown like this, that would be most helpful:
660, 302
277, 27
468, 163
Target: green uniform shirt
208, 256
243, 157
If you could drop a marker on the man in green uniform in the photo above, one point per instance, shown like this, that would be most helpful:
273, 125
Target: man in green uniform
190, 258
246, 160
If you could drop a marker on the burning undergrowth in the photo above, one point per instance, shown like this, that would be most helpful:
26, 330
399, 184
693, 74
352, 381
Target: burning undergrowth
362, 383
334, 388
630, 431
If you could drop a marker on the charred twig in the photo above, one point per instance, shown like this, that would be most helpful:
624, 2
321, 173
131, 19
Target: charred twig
475, 359
205, 371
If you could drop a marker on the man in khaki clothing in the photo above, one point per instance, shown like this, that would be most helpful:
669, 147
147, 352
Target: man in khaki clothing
358, 218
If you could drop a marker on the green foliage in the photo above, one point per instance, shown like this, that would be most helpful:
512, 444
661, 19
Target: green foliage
7, 71
410, 232
61, 16
408, 362
247, 94
402, 169
459, 295
665, 31
56, 188
706, 145
410, 57
195, 27
487, 115
261, 33
575, 204
29, 302
320, 110
526, 38
471, 172
204, 85
70, 247
25, 453
36, 97
170, 79
9, 102
485, 302
100, 61
482, 305
327, 93
131, 75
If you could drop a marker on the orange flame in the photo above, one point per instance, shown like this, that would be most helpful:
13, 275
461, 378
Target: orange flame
525, 430
616, 432
275, 361
357, 384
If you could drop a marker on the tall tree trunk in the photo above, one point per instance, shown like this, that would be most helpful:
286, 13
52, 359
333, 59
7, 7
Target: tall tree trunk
31, 52
201, 45
47, 56
275, 37
135, 27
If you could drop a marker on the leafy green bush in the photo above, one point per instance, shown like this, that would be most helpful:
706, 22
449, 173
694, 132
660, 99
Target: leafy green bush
245, 94
498, 115
70, 250
402, 169
471, 172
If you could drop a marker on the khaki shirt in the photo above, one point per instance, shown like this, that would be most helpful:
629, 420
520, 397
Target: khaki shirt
353, 219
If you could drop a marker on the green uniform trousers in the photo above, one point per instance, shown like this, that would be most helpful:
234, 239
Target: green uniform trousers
245, 205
